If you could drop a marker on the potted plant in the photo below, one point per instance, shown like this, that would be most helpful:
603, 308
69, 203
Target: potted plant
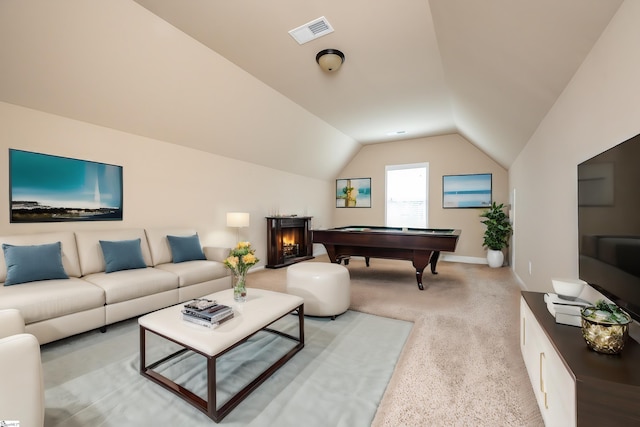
496, 236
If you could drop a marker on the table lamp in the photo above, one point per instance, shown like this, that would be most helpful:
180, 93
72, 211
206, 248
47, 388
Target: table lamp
237, 220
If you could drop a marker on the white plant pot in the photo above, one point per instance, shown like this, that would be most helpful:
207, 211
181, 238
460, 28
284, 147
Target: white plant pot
495, 258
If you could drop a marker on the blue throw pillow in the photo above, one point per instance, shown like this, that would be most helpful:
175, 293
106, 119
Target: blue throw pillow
31, 263
122, 255
185, 248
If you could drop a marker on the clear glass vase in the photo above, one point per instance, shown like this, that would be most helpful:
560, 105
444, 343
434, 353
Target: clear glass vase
240, 288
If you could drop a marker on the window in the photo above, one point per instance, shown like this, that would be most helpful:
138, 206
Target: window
407, 195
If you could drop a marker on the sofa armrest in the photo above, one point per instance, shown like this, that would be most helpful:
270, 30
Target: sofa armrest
216, 254
11, 322
22, 391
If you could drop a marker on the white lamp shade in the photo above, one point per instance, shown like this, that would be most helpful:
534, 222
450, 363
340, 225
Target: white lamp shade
237, 219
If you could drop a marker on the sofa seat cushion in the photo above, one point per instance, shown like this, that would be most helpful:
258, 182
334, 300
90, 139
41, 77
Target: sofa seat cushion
130, 284
193, 272
48, 299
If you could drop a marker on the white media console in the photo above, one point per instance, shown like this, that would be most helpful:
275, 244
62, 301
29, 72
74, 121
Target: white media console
573, 384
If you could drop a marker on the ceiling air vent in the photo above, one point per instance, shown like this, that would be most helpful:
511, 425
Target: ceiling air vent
311, 30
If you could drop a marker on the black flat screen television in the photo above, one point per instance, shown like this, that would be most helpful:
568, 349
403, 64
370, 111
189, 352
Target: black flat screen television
609, 224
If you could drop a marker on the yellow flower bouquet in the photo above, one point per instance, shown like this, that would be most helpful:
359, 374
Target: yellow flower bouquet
240, 259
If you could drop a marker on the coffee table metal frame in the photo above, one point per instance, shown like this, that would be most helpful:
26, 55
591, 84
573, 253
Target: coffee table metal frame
209, 406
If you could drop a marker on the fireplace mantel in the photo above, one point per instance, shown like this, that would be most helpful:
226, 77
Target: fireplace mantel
288, 240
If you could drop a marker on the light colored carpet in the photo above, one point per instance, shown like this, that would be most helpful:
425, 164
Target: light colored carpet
461, 365
337, 379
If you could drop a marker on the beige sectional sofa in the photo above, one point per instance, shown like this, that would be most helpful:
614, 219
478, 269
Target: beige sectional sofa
22, 391
92, 298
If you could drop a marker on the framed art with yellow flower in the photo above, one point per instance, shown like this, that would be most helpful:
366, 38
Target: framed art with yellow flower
353, 193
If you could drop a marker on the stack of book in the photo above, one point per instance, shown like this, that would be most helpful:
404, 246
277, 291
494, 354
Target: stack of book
206, 312
565, 311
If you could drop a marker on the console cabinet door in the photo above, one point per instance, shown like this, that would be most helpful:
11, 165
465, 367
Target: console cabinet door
530, 348
552, 383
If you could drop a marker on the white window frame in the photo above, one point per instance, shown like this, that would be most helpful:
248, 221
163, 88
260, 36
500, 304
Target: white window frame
388, 168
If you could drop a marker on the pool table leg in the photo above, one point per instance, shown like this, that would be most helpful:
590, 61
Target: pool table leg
421, 261
347, 258
433, 261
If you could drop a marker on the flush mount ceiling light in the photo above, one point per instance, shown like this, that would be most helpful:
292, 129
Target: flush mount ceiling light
330, 59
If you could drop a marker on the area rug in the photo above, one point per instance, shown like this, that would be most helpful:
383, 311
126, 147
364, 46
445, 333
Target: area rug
461, 364
338, 379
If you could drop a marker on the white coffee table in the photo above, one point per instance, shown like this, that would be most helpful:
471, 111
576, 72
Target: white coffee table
261, 309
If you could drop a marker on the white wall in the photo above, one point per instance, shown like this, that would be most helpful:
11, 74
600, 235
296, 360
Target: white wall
115, 64
447, 155
164, 184
597, 110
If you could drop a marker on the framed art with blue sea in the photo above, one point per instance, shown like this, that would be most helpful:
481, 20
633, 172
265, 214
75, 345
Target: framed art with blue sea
47, 188
466, 191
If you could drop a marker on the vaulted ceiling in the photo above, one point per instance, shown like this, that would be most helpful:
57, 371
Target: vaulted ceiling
487, 69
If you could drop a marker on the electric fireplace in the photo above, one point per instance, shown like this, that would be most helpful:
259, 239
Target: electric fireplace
288, 240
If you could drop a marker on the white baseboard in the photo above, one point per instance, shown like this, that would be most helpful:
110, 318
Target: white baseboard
463, 259
523, 286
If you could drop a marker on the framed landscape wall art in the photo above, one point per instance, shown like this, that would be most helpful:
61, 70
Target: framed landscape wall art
353, 193
466, 191
46, 188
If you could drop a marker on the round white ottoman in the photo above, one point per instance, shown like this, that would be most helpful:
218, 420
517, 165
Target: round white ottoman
325, 287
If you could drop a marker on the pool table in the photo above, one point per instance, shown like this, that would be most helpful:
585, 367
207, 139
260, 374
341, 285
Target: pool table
422, 246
